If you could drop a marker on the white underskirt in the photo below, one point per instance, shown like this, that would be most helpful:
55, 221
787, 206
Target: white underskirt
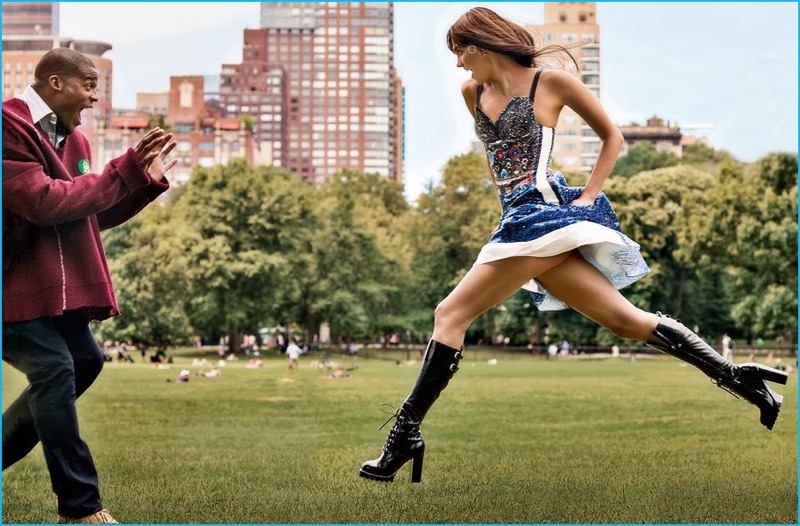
599, 245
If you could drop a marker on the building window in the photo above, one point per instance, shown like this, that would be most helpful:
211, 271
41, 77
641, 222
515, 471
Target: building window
590, 51
186, 93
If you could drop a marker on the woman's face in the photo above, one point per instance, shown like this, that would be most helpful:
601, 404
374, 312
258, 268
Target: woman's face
469, 58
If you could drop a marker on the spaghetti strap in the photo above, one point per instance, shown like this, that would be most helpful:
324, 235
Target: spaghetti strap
533, 87
478, 98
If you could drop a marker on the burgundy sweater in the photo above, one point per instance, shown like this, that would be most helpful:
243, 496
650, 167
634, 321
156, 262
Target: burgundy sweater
54, 208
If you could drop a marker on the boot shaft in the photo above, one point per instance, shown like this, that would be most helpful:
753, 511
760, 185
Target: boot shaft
438, 367
673, 337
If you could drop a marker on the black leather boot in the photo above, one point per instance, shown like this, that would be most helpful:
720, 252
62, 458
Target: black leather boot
405, 440
747, 381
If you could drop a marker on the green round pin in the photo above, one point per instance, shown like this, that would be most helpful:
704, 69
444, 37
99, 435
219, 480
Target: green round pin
83, 166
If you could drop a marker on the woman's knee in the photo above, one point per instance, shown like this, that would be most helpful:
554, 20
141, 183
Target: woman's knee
632, 326
441, 313
447, 316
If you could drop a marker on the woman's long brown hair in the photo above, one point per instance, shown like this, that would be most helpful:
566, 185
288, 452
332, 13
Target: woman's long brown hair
484, 28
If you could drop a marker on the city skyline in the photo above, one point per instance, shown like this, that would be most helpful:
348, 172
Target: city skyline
687, 63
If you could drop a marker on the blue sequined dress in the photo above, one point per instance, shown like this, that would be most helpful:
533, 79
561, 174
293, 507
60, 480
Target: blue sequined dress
538, 219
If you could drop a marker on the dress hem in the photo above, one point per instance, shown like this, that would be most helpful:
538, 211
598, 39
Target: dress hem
610, 251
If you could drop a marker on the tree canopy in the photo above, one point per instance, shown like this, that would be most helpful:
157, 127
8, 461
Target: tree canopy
242, 247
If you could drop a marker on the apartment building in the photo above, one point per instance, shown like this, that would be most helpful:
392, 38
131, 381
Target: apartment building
317, 80
574, 25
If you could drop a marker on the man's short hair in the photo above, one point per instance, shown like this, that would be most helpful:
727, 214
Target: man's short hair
61, 61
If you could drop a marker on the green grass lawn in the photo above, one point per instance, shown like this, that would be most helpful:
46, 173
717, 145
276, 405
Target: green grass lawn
523, 441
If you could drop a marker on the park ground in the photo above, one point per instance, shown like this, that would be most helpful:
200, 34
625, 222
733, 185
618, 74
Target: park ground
524, 440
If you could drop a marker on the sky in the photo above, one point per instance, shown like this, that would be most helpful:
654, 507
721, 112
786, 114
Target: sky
730, 67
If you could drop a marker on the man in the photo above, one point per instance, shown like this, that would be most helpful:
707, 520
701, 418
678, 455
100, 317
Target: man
55, 275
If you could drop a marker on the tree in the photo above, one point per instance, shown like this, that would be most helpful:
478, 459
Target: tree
661, 210
697, 154
518, 319
705, 158
381, 209
239, 248
248, 121
763, 258
157, 120
355, 288
643, 157
248, 234
147, 259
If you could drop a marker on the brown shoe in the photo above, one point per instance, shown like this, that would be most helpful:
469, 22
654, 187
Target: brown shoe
101, 517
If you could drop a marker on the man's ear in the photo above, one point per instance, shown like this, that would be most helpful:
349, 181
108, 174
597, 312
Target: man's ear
55, 82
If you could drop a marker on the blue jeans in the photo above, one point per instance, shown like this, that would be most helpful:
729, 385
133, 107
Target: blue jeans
61, 359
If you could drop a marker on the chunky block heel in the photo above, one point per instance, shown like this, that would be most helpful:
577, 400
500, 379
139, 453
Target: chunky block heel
766, 373
778, 398
416, 468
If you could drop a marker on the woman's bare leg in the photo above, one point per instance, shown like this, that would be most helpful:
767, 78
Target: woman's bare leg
580, 285
483, 287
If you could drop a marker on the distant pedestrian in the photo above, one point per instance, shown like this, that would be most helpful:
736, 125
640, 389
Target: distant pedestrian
727, 347
293, 353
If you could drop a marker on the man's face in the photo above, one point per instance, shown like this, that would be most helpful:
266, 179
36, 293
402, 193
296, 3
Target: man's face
77, 93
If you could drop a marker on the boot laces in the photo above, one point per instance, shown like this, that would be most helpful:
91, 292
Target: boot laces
397, 432
720, 382
734, 378
390, 440
394, 413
